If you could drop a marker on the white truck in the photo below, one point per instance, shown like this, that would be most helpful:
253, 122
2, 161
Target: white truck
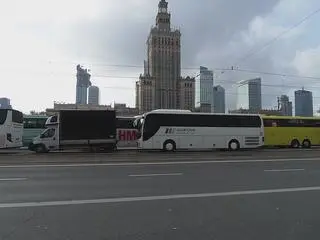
94, 130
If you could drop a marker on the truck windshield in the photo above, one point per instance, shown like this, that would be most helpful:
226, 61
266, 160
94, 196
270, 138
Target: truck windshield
48, 133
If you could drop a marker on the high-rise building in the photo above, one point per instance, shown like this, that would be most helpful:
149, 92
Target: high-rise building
219, 105
163, 60
94, 95
249, 95
5, 103
83, 82
123, 110
204, 84
145, 92
285, 105
303, 103
186, 96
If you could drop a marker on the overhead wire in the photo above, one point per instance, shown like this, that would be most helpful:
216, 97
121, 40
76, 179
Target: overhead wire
231, 69
254, 51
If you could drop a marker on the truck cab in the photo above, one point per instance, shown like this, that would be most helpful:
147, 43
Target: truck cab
48, 140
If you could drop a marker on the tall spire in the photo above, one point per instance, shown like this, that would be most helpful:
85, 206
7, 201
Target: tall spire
163, 16
163, 6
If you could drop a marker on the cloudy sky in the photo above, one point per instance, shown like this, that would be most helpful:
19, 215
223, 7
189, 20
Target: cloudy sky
42, 41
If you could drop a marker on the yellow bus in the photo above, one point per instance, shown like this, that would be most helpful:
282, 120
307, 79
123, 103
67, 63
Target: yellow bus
290, 131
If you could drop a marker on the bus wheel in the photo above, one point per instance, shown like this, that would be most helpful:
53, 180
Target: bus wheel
169, 146
295, 143
306, 143
234, 145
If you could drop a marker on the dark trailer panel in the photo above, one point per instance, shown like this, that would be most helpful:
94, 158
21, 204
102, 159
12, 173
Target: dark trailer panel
87, 125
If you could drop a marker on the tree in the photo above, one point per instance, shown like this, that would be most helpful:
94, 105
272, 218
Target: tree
33, 112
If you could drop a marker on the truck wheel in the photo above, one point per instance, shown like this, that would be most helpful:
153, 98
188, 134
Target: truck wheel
114, 147
40, 148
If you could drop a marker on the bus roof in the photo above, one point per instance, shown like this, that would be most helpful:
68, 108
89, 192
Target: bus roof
125, 117
169, 111
35, 116
199, 113
287, 117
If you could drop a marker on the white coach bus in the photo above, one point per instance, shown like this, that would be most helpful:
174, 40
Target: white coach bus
173, 130
11, 128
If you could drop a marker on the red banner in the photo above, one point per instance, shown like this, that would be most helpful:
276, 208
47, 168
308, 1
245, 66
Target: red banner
127, 135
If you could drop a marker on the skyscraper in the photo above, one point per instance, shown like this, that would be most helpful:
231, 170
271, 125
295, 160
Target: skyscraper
219, 105
285, 105
94, 94
204, 88
249, 95
5, 103
186, 96
145, 92
163, 61
303, 103
83, 82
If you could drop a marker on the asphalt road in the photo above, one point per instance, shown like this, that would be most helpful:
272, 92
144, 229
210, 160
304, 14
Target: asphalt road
244, 198
26, 157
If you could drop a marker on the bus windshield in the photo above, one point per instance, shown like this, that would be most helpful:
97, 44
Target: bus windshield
138, 123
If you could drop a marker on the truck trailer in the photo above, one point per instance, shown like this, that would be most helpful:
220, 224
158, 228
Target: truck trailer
94, 130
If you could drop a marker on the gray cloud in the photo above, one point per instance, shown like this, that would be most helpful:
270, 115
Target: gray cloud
121, 37
213, 34
206, 28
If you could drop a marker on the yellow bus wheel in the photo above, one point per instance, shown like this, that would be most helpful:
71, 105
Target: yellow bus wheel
306, 143
295, 143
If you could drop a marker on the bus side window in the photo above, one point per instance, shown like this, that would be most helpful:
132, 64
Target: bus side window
30, 123
40, 123
269, 123
3, 115
125, 123
17, 116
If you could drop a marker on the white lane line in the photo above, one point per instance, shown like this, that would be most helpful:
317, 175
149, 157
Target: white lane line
284, 170
203, 161
155, 198
155, 174
13, 179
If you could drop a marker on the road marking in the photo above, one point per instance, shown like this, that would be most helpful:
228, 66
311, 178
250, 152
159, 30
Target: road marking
13, 179
284, 170
155, 198
204, 161
155, 174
